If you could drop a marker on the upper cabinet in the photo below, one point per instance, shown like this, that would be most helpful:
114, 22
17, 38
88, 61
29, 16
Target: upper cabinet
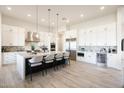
71, 34
13, 36
111, 35
104, 35
21, 37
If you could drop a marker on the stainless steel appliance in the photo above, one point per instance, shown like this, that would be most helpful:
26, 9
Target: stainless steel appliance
52, 46
71, 47
32, 37
101, 59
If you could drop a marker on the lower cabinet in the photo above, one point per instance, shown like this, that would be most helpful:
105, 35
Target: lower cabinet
112, 61
9, 57
89, 57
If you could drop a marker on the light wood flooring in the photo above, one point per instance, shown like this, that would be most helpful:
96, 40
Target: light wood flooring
76, 75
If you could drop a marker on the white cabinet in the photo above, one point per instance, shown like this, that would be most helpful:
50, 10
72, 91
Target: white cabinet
103, 35
82, 37
20, 37
9, 37
71, 34
13, 36
87, 37
90, 57
111, 35
9, 57
112, 60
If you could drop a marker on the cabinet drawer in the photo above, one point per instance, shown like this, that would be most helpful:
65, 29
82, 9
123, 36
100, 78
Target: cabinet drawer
9, 58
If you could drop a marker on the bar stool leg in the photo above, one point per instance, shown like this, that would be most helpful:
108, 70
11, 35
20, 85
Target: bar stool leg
30, 73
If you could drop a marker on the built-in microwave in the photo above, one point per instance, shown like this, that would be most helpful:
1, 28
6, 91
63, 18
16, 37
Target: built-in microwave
80, 54
52, 46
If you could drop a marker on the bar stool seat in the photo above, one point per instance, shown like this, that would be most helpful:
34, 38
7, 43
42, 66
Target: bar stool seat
35, 62
49, 61
58, 59
67, 56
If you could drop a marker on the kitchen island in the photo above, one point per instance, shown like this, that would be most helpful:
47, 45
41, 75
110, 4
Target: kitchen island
21, 61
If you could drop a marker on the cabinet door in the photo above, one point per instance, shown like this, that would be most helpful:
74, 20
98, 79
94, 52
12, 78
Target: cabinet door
87, 38
6, 38
81, 37
93, 58
21, 37
111, 35
87, 56
9, 35
73, 33
101, 36
112, 60
67, 34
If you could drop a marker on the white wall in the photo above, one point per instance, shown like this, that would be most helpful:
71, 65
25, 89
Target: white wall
0, 41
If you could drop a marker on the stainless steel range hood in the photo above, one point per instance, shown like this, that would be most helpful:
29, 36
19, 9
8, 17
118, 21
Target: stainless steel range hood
32, 37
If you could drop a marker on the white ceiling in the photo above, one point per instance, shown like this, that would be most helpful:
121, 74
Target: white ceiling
71, 12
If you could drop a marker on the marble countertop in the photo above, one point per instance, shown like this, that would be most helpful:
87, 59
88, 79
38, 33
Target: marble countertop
30, 55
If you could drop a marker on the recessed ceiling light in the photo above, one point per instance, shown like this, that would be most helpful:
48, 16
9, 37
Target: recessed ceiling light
28, 15
9, 8
81, 15
42, 20
67, 21
53, 23
102, 8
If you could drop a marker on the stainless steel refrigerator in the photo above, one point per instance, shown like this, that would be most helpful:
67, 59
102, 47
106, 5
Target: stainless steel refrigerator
71, 47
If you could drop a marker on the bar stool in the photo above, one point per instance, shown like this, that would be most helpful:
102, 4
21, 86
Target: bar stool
66, 57
58, 59
49, 61
35, 63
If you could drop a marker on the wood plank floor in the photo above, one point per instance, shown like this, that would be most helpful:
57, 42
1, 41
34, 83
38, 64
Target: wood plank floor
76, 75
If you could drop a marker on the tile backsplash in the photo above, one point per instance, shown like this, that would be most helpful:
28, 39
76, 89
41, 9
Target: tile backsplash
108, 49
12, 48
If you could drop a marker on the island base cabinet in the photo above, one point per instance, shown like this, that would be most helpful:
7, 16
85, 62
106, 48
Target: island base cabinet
20, 66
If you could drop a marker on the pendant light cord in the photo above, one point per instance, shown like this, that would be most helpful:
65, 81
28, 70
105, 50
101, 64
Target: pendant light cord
49, 18
36, 18
57, 21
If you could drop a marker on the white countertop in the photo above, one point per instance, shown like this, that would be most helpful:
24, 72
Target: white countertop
29, 55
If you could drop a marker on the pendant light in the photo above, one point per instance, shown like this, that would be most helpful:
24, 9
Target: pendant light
37, 21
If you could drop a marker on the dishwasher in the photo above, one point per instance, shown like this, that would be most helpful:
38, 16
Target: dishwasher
102, 59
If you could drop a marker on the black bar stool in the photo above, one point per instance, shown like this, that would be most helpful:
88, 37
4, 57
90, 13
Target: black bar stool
49, 60
36, 63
